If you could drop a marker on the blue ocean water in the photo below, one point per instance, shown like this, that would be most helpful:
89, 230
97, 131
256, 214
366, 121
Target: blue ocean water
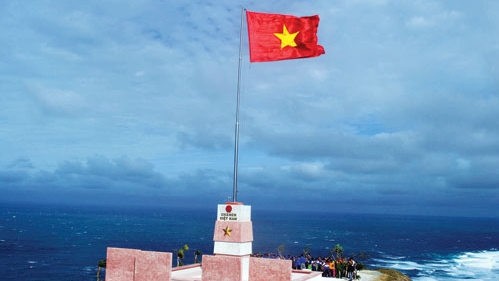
66, 243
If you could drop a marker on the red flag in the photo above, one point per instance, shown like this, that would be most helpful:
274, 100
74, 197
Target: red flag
280, 37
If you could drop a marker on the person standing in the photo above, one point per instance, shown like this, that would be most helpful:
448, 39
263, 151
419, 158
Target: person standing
325, 269
332, 267
350, 269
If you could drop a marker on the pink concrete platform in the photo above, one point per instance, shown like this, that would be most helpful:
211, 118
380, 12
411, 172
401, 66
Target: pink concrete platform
222, 268
120, 264
137, 265
153, 266
261, 269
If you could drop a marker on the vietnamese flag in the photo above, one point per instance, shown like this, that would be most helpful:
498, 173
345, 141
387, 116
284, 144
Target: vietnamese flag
280, 37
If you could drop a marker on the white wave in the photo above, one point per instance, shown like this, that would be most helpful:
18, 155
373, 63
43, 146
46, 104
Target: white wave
426, 278
476, 265
89, 268
400, 264
482, 265
484, 260
395, 257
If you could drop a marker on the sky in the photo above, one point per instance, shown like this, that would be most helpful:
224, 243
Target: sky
132, 103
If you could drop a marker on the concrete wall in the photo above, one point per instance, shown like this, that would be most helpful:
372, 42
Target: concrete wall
137, 265
262, 269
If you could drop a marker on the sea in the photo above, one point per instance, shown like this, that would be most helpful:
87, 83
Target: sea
64, 243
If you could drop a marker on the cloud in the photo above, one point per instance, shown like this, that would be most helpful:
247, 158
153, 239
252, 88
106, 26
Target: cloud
56, 101
96, 174
445, 18
309, 171
420, 22
102, 173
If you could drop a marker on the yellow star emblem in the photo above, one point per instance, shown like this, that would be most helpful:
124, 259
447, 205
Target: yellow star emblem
227, 231
287, 39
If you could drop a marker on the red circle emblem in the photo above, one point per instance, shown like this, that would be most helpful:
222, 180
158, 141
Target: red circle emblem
228, 208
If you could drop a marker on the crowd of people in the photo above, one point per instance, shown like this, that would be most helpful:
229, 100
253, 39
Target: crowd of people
330, 267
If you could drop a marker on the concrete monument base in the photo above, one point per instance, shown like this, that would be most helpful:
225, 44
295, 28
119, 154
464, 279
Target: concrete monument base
232, 261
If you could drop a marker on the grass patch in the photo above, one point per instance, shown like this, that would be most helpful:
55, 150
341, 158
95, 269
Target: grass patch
392, 275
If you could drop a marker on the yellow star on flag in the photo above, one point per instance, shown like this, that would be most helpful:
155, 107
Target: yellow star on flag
287, 39
227, 231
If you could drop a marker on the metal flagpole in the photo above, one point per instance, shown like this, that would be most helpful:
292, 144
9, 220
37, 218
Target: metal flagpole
236, 133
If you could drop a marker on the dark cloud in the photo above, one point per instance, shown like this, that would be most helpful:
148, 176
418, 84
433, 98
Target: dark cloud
482, 180
95, 175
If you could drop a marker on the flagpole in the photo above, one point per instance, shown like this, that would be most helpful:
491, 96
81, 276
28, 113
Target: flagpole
236, 131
